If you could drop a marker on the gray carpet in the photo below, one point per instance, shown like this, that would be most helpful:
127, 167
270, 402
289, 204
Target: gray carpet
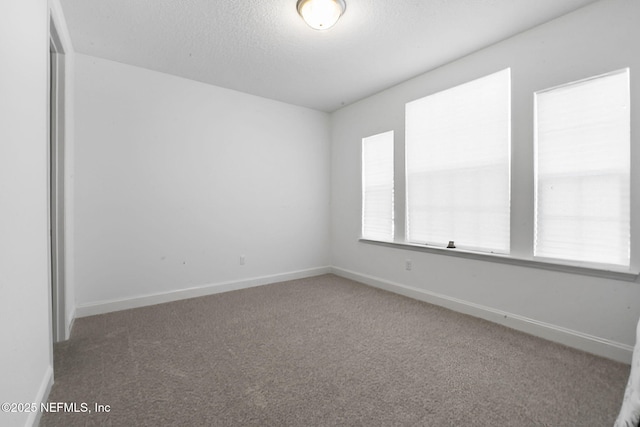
323, 351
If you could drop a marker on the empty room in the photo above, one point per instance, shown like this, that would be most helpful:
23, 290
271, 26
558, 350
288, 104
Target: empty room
319, 213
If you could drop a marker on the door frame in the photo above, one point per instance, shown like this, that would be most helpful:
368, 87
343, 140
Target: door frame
60, 125
56, 181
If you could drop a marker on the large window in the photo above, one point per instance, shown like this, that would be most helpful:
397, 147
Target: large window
458, 166
377, 187
582, 171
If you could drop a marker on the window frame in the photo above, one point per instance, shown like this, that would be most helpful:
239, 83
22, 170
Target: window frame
507, 133
363, 185
536, 180
522, 247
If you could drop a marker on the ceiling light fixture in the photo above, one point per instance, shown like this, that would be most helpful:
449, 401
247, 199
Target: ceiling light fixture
321, 14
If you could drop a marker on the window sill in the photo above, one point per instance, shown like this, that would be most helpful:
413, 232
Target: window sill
627, 276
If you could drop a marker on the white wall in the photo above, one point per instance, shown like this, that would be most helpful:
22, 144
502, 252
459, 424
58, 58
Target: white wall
599, 38
25, 335
175, 179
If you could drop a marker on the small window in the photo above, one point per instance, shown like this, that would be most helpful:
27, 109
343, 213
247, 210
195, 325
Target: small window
458, 165
582, 170
377, 187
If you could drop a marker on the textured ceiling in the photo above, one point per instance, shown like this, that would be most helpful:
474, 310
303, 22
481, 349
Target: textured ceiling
264, 48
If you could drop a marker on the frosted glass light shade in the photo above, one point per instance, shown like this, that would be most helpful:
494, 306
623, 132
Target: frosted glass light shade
321, 14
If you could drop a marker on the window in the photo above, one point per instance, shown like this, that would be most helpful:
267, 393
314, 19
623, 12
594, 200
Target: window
377, 187
458, 165
582, 165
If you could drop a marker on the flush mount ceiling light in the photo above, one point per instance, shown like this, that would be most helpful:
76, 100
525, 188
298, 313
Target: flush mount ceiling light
321, 14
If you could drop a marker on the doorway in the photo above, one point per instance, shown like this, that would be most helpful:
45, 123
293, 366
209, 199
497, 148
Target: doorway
56, 184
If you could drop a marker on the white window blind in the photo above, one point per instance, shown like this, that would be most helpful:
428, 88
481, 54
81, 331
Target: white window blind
377, 187
582, 171
458, 165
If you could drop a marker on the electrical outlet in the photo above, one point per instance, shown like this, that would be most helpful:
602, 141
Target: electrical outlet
241, 259
407, 264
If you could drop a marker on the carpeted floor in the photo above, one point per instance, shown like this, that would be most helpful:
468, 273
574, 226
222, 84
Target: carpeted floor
323, 351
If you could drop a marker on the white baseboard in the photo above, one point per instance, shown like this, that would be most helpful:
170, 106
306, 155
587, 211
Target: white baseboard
585, 342
70, 323
41, 397
159, 298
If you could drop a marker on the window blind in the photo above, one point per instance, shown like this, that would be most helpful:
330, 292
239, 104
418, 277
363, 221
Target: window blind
377, 187
582, 170
458, 165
